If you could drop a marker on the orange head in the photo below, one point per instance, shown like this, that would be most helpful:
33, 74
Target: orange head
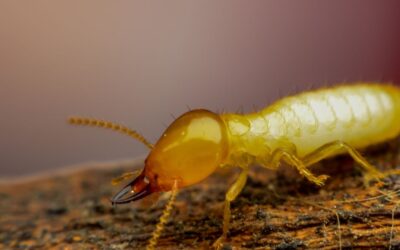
190, 149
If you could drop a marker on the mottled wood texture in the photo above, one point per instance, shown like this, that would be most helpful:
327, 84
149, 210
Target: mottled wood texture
276, 210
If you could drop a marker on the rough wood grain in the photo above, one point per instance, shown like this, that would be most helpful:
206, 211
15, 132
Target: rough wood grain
276, 210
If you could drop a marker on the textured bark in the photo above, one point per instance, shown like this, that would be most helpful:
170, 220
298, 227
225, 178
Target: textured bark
278, 210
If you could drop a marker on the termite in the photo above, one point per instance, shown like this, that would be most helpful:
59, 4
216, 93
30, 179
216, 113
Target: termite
299, 130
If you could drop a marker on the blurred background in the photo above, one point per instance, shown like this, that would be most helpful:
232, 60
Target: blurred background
141, 63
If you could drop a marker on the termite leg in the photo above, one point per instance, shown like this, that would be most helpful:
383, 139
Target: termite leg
163, 219
333, 148
124, 176
291, 159
231, 195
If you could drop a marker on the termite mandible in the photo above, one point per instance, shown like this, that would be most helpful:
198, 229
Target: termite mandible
299, 130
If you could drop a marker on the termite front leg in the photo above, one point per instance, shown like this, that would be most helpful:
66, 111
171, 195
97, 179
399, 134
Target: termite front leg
163, 219
292, 159
124, 176
231, 195
333, 148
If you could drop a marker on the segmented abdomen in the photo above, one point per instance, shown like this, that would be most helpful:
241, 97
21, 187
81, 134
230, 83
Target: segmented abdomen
360, 114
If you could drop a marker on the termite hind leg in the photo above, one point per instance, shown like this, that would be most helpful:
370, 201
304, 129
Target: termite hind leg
292, 159
231, 195
333, 148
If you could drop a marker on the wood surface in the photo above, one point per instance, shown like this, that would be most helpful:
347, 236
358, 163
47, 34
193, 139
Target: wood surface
276, 210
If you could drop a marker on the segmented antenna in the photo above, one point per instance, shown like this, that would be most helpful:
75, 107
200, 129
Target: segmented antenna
83, 121
164, 217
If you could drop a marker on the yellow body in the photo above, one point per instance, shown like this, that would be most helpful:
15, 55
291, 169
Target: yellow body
360, 115
299, 130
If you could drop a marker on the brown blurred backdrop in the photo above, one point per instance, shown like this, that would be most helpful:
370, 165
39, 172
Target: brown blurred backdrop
140, 62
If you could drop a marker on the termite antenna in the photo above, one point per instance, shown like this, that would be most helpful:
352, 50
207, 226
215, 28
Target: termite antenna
83, 121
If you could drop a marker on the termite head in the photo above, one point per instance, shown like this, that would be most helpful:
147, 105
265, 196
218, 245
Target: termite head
189, 150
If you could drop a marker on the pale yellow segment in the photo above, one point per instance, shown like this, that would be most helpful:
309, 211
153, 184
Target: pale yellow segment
359, 114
